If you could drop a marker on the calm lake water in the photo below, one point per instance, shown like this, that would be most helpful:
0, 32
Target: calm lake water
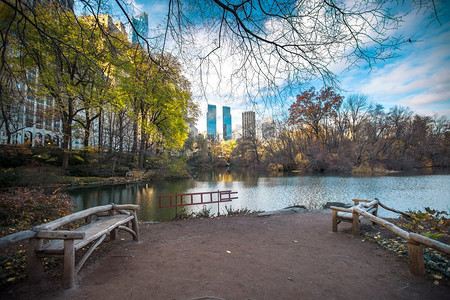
264, 192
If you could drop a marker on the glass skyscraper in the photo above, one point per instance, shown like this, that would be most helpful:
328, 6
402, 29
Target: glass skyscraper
226, 123
211, 122
140, 23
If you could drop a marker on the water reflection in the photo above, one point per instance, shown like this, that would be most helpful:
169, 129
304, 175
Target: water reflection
265, 192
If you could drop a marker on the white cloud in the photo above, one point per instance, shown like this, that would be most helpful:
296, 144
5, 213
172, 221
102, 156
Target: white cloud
419, 78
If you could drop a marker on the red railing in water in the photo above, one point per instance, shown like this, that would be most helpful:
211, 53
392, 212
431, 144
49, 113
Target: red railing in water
177, 200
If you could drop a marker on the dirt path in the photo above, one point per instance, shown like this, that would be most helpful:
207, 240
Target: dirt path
248, 257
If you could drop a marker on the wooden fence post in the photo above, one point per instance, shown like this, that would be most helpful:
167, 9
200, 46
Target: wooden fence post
415, 255
135, 226
34, 263
69, 264
334, 220
355, 229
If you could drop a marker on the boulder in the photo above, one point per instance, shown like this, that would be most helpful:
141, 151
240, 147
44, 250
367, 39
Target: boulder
337, 204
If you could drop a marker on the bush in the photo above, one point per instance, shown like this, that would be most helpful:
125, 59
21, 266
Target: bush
20, 210
24, 208
14, 155
49, 155
9, 177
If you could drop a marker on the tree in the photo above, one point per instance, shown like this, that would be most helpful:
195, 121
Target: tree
12, 75
312, 107
160, 102
267, 44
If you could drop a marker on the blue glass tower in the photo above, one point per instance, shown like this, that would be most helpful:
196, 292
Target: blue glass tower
211, 122
226, 123
140, 23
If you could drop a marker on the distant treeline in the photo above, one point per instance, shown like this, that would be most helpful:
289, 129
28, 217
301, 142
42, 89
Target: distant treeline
325, 132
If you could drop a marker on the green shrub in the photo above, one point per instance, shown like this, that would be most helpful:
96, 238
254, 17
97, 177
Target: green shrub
9, 177
204, 213
49, 155
14, 155
234, 212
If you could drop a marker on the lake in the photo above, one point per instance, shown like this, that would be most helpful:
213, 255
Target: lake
264, 192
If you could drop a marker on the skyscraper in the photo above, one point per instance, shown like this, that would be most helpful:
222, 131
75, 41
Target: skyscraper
248, 124
140, 24
211, 122
268, 128
226, 123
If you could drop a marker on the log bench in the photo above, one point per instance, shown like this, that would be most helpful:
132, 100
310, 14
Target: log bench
51, 241
341, 214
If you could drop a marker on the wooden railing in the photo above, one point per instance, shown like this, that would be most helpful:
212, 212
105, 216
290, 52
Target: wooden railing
414, 241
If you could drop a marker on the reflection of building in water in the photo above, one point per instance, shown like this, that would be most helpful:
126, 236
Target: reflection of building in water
226, 177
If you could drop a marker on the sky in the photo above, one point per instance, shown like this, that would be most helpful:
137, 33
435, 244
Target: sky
418, 77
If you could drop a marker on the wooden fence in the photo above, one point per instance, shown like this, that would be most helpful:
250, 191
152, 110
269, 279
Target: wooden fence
414, 241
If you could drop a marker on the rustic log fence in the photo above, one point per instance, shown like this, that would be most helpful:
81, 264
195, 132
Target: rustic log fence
414, 241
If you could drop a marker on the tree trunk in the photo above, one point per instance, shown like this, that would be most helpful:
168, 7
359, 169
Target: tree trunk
100, 130
87, 129
6, 123
135, 137
111, 133
67, 119
120, 132
67, 131
141, 150
87, 133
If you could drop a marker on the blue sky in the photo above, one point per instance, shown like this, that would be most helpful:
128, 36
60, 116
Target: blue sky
419, 77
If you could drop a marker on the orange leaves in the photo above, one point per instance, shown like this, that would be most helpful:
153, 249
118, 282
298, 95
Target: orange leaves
23, 208
311, 107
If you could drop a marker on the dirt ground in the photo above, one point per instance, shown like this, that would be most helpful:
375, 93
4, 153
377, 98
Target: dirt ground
294, 256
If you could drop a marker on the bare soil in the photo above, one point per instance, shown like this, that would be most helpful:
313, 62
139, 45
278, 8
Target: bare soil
293, 256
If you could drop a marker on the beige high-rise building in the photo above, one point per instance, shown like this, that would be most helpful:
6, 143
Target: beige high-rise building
248, 124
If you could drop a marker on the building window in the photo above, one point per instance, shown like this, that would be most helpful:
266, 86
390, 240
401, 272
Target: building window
38, 141
28, 137
39, 116
29, 112
47, 140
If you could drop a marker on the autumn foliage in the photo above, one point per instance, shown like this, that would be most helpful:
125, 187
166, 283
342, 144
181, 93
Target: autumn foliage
312, 107
23, 208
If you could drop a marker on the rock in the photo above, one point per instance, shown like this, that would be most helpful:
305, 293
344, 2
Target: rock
288, 210
338, 204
